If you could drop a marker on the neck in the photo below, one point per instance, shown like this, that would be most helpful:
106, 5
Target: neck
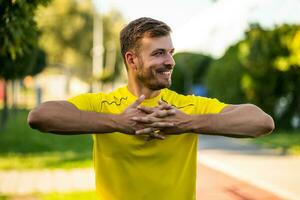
137, 89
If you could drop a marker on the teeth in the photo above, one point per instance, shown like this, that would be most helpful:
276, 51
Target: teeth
166, 73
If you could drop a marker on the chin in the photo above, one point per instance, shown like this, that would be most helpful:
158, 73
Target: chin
159, 86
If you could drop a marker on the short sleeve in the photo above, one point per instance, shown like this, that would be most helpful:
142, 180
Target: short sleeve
206, 105
87, 102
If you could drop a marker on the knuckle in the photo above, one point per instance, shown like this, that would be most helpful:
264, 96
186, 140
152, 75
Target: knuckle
161, 113
144, 119
152, 119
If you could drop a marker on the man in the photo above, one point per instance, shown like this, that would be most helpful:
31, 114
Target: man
145, 135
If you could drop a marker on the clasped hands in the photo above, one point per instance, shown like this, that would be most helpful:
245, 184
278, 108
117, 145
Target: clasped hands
154, 122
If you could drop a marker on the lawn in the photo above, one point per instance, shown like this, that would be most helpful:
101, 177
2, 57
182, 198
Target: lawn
82, 195
24, 148
287, 142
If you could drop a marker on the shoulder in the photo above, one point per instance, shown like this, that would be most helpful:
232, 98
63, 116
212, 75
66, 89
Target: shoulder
201, 105
92, 101
176, 99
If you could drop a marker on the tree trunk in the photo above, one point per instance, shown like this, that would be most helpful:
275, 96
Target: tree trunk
4, 113
14, 95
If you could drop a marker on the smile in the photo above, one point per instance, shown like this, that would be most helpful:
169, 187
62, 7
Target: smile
166, 73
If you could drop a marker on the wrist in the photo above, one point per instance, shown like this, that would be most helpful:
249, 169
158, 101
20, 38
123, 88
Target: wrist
202, 123
116, 122
106, 123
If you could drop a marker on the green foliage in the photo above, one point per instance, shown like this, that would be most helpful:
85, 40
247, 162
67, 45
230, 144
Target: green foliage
190, 69
18, 30
18, 38
258, 52
224, 77
25, 148
272, 70
67, 37
283, 141
263, 69
31, 62
67, 34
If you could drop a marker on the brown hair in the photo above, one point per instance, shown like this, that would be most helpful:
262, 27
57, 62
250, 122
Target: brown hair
137, 29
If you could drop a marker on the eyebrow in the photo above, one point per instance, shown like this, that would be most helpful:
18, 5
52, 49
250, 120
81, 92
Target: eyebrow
161, 49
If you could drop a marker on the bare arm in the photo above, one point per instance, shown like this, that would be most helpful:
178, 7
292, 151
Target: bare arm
62, 117
246, 120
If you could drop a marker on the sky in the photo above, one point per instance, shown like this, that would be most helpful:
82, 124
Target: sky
208, 26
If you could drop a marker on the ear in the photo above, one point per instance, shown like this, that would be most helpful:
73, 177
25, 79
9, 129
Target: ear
131, 60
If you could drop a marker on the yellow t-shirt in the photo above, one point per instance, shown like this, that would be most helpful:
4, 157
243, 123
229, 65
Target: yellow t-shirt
129, 168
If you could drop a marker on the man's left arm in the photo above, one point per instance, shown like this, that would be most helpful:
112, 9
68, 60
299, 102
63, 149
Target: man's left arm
245, 120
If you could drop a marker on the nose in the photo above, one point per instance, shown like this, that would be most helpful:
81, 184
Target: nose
169, 60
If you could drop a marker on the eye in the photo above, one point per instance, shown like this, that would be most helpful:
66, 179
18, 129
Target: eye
158, 53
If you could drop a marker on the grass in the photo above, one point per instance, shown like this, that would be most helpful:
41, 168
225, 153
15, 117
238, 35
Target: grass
24, 148
287, 142
82, 195
90, 195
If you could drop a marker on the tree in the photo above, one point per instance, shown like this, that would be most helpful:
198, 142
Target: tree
264, 69
190, 69
113, 61
18, 38
67, 28
271, 59
224, 77
67, 37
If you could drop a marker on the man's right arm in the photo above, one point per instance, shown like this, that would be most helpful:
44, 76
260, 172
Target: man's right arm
62, 117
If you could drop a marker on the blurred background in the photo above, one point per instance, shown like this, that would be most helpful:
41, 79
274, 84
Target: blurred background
236, 51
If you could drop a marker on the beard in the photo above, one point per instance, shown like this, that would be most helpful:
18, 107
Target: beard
151, 78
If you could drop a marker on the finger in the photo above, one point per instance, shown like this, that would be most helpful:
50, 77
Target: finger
164, 113
164, 105
153, 132
147, 110
162, 125
145, 119
150, 137
158, 136
145, 131
138, 101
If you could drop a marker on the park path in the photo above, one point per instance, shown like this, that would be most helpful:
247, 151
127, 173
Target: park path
264, 168
27, 182
211, 184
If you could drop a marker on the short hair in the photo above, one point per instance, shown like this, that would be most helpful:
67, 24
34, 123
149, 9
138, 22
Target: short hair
131, 34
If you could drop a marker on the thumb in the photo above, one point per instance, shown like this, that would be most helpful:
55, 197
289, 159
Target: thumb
138, 101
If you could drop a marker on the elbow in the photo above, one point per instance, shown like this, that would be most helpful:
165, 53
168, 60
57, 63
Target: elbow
33, 119
267, 126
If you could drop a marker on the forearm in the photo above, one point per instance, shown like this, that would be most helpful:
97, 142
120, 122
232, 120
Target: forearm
244, 121
61, 117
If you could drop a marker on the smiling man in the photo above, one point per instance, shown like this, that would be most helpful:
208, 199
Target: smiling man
145, 135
